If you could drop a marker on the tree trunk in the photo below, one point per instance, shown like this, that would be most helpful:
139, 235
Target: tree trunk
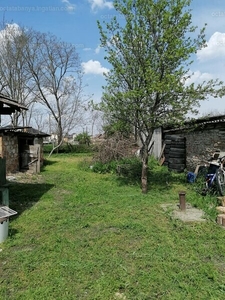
144, 173
60, 132
59, 135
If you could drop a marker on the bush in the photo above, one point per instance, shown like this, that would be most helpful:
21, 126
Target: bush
47, 148
127, 166
83, 138
69, 148
110, 167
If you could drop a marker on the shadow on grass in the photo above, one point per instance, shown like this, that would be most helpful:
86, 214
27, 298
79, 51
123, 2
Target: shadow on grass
22, 196
159, 178
162, 178
47, 163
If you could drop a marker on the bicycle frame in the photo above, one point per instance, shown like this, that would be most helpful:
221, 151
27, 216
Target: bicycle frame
214, 170
210, 177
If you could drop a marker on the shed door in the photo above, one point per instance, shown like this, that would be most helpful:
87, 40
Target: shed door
34, 158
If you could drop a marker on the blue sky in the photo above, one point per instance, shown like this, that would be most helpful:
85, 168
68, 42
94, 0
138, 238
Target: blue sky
75, 21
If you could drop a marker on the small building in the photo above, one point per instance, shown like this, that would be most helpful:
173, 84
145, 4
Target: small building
22, 147
202, 136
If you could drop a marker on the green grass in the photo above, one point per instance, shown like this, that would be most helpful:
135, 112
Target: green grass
82, 235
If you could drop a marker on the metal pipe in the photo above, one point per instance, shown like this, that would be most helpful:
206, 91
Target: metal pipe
182, 201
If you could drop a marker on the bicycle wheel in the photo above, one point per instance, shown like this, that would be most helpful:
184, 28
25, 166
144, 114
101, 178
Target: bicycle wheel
205, 189
220, 181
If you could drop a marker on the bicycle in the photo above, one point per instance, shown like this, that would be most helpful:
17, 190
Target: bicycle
215, 177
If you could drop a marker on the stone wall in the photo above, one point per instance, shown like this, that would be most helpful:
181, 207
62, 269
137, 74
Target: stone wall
9, 150
201, 143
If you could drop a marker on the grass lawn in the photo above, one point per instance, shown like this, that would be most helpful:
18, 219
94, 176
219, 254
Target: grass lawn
82, 235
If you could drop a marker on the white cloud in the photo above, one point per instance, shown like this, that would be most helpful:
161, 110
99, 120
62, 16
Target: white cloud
10, 31
94, 67
87, 49
215, 48
95, 4
70, 7
97, 50
198, 77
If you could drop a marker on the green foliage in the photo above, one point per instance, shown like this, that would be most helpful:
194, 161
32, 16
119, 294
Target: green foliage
83, 138
117, 127
147, 81
150, 52
82, 235
128, 166
206, 201
99, 167
47, 148
69, 148
83, 148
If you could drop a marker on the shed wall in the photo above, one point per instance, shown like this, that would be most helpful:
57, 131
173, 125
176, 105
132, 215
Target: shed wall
9, 151
202, 143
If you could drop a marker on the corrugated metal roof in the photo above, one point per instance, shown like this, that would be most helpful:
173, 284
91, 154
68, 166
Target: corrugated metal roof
196, 122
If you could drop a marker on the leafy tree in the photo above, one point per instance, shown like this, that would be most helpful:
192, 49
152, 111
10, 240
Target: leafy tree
83, 138
118, 126
150, 51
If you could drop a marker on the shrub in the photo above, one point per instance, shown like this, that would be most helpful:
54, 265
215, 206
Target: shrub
83, 138
127, 166
69, 148
110, 167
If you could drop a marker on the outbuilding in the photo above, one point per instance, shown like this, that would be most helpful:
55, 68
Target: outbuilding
22, 147
201, 138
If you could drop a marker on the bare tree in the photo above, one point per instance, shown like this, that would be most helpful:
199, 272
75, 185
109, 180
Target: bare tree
56, 72
94, 116
15, 78
37, 117
39, 69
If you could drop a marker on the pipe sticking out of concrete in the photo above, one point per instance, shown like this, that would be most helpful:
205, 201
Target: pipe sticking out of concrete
182, 201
